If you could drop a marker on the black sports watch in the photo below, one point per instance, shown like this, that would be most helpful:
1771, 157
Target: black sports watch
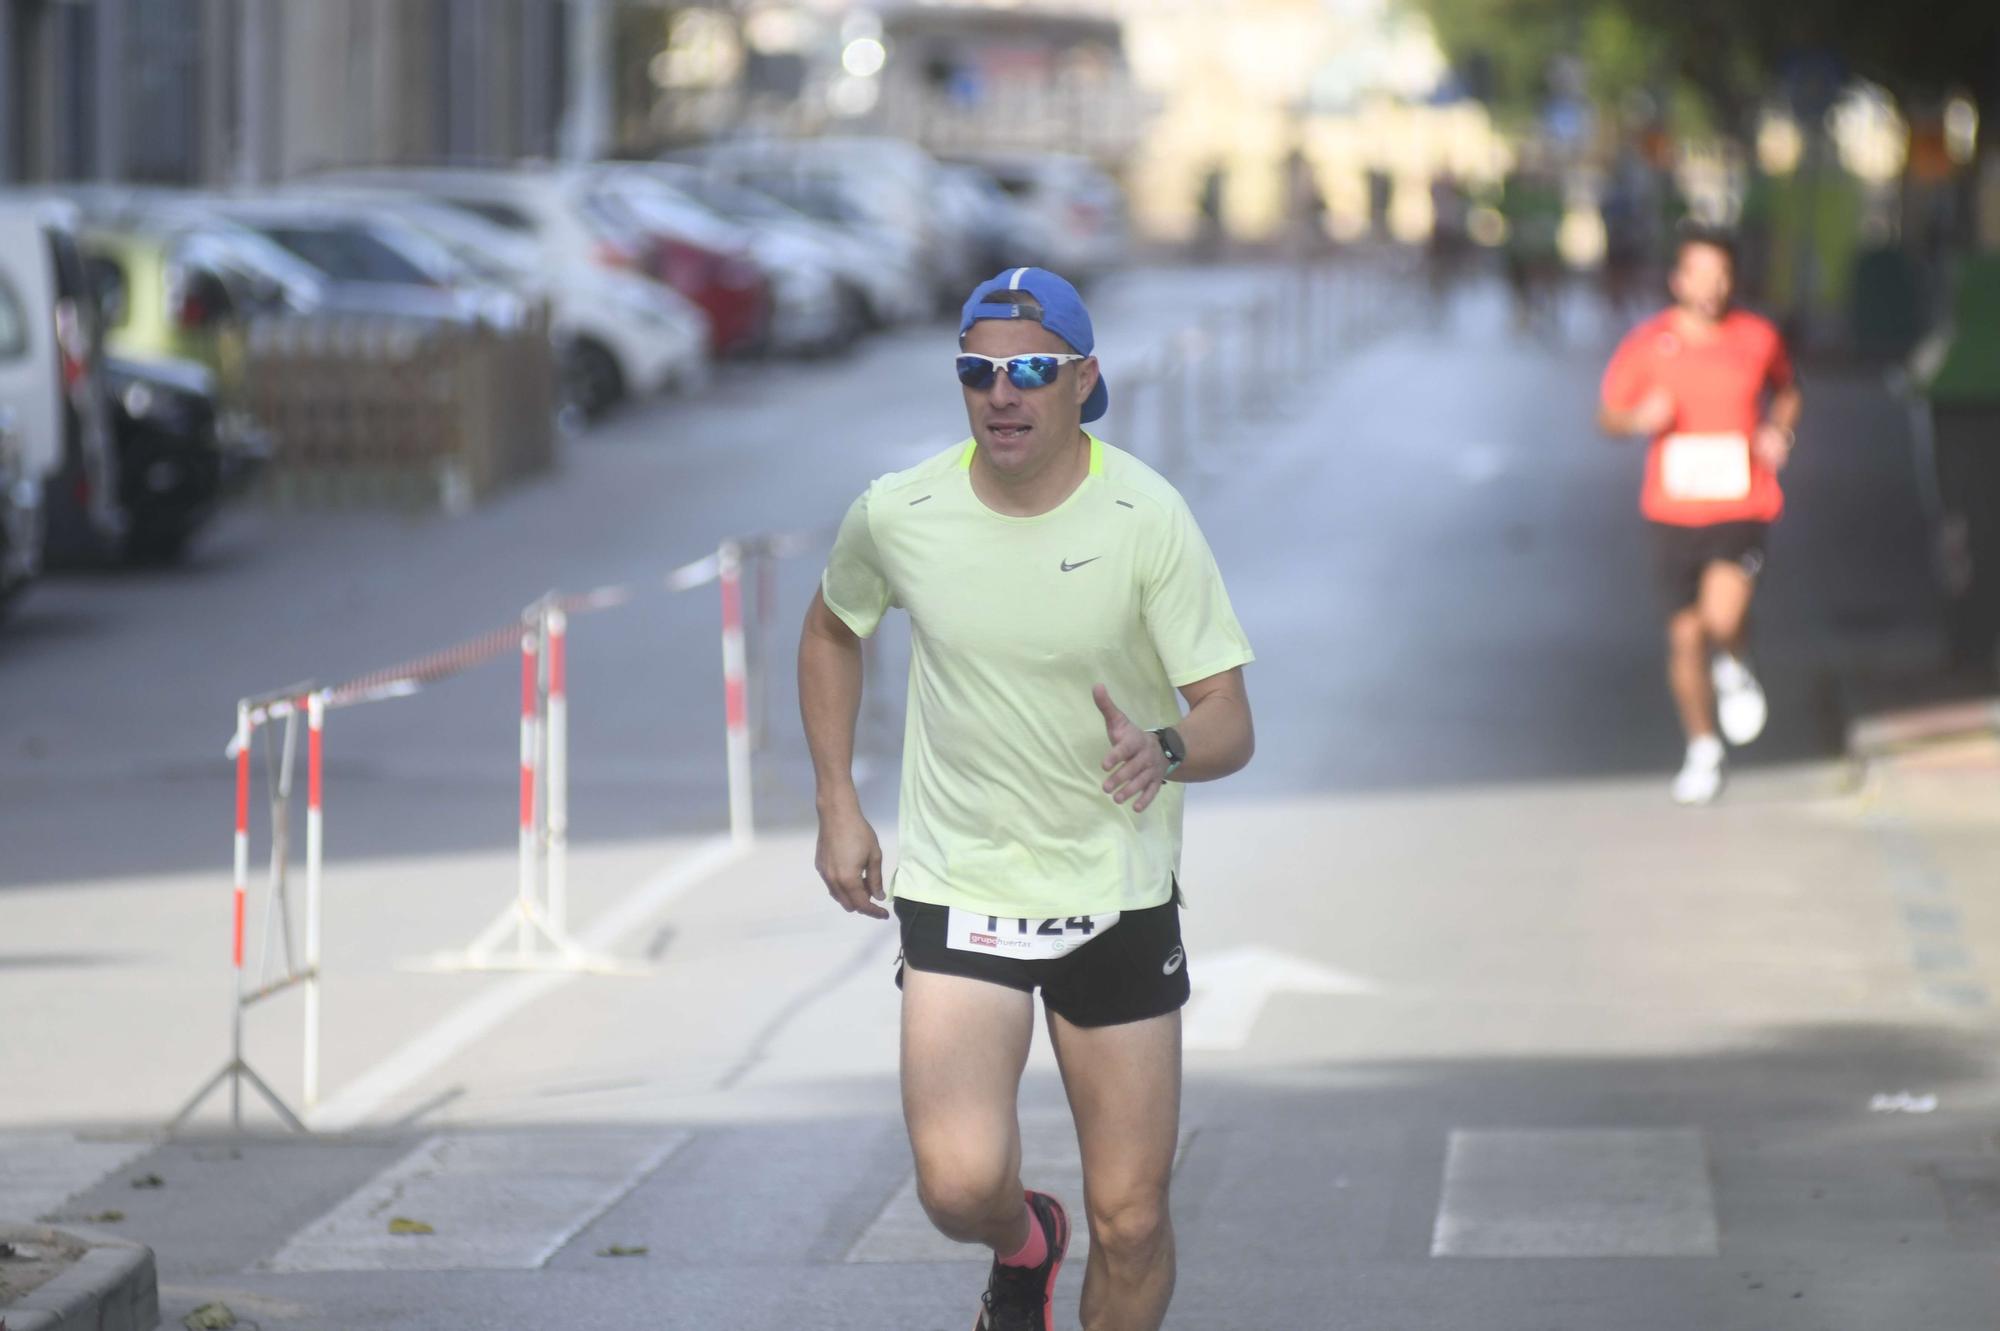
1173, 746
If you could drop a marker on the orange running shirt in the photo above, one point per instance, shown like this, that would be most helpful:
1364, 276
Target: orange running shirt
1718, 387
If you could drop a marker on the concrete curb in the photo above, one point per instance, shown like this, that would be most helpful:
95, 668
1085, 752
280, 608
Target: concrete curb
111, 1287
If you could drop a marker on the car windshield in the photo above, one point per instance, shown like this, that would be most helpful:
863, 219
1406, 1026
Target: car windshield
484, 247
261, 274
659, 207
491, 210
348, 254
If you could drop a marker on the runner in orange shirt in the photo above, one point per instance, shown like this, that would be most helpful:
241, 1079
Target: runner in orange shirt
1711, 387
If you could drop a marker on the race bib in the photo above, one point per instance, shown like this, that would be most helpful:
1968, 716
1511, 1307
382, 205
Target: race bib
1705, 467
1023, 940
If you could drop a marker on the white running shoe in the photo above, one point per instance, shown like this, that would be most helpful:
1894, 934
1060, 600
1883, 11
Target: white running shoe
1700, 777
1739, 700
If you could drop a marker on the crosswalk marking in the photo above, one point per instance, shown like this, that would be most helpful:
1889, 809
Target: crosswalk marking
1576, 1193
39, 1171
494, 1201
1051, 1162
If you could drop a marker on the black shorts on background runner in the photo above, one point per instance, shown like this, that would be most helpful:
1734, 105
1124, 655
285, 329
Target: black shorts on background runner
1684, 554
1134, 970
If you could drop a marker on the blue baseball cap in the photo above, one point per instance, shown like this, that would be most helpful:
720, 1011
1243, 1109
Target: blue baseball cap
1062, 314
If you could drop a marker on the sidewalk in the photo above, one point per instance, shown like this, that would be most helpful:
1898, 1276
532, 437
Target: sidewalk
1560, 961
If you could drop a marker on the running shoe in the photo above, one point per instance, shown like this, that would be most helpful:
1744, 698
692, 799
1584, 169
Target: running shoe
1022, 1298
1739, 700
1700, 778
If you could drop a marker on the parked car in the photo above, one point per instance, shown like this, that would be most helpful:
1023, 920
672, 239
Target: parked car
184, 293
172, 466
622, 332
611, 328
888, 284
1077, 212
881, 188
21, 472
807, 312
1003, 234
371, 258
63, 494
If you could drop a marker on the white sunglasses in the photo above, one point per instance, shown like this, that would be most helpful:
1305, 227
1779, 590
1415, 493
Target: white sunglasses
1036, 371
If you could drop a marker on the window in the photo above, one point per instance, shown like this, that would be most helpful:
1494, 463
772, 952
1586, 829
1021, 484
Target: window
13, 325
500, 214
348, 255
108, 282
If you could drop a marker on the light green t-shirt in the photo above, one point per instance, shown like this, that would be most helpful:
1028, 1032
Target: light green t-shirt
1012, 621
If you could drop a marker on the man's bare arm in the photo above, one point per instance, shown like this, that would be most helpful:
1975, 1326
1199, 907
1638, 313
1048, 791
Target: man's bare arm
849, 857
1217, 729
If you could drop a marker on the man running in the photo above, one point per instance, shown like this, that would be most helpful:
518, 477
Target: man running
1059, 592
1712, 388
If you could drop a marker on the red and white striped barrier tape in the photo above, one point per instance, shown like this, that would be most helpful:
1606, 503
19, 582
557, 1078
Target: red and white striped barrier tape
400, 681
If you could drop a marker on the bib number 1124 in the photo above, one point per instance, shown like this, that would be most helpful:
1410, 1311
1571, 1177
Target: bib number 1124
1028, 939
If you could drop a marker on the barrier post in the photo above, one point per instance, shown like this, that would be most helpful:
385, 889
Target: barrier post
557, 624
1173, 409
729, 566
537, 917
757, 639
315, 858
250, 714
242, 895
530, 707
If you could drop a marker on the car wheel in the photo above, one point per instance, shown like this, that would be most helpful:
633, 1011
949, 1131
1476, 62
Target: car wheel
591, 379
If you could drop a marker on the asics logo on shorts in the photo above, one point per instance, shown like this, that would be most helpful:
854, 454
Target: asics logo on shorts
1173, 962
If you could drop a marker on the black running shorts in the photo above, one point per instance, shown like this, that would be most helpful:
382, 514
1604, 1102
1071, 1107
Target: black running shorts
1133, 970
1684, 554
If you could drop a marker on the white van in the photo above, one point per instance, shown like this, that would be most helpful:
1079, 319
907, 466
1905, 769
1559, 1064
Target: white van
56, 460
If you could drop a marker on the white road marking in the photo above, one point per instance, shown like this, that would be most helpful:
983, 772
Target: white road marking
1577, 1193
1231, 988
484, 1013
501, 1201
39, 1171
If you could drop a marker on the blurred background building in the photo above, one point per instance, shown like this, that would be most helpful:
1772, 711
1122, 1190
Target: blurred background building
1830, 134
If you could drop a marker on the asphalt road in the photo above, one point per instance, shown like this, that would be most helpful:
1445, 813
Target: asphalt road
1487, 1033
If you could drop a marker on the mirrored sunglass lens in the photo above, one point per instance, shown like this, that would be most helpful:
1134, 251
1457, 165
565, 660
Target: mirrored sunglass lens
1033, 371
974, 372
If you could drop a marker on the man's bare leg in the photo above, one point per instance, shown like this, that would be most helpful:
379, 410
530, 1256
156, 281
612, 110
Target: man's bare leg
1124, 1085
965, 1043
1724, 606
1687, 672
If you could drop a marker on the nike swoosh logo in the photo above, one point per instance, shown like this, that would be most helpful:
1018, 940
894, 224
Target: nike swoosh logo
1068, 567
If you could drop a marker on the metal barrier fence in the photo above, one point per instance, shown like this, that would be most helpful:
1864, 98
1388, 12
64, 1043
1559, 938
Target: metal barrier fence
531, 931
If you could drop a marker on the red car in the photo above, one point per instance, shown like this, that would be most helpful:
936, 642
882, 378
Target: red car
731, 290
701, 256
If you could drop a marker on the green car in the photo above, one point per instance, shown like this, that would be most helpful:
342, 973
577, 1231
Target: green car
182, 291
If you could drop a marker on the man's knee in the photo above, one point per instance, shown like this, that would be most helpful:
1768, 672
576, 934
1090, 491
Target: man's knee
963, 1194
1132, 1228
1686, 634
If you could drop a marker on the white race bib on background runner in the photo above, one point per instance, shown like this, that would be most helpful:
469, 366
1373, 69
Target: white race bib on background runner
1705, 467
1023, 940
